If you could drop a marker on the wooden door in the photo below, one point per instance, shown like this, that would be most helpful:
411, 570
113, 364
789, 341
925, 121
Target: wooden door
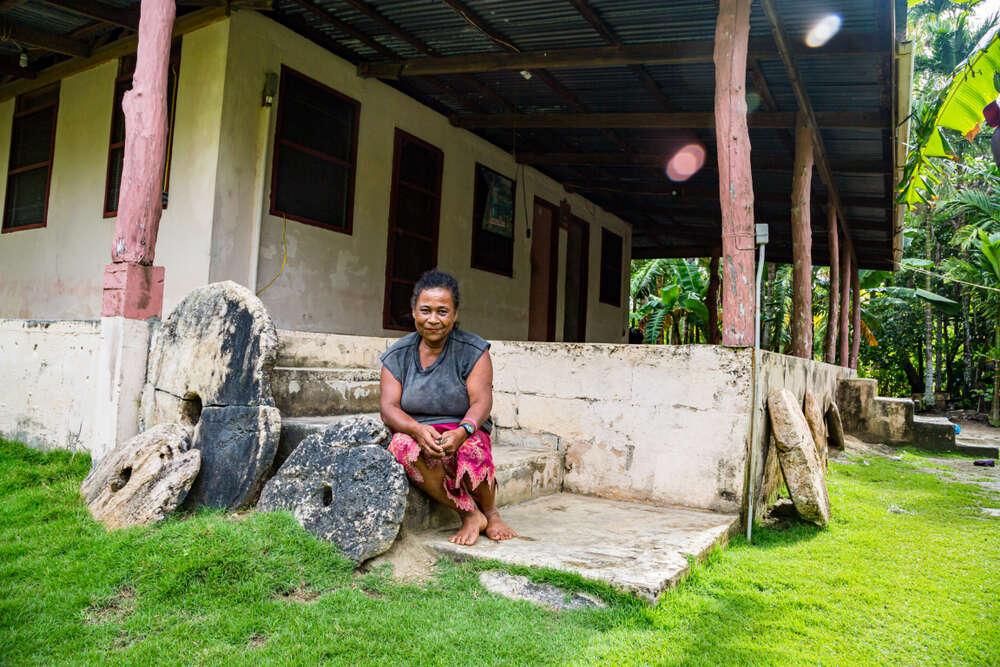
577, 277
414, 212
544, 271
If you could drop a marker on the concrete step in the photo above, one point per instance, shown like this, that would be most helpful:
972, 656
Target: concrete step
522, 474
296, 429
322, 391
979, 451
309, 349
641, 549
933, 433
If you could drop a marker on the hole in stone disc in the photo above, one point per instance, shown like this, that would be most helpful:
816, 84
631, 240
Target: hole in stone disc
191, 409
122, 479
327, 495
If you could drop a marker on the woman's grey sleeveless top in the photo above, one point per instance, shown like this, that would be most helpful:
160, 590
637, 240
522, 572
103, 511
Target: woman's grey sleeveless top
436, 394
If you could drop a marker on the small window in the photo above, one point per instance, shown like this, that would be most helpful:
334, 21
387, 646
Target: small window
611, 268
116, 148
315, 154
29, 170
493, 222
414, 213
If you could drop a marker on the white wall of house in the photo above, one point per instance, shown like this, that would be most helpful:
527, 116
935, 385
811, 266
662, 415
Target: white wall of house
333, 281
217, 225
56, 272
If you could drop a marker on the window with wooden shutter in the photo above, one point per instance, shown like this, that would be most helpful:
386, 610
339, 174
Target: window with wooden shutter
611, 268
414, 212
116, 147
315, 154
29, 170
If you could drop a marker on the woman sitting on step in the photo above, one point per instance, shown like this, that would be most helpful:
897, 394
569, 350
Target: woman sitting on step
437, 393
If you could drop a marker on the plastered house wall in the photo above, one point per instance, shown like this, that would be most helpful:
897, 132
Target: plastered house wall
334, 282
56, 272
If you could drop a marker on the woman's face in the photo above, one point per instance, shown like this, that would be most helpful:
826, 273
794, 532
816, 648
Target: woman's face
435, 314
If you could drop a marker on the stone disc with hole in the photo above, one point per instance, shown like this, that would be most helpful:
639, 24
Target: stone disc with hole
354, 497
800, 462
144, 479
218, 346
237, 445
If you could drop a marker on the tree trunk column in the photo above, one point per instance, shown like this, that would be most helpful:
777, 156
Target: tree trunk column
802, 320
133, 288
732, 35
855, 313
845, 301
833, 309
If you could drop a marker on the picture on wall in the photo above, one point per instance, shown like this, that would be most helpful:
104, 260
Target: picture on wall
493, 221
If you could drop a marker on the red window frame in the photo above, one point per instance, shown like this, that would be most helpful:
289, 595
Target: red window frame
280, 142
400, 140
23, 108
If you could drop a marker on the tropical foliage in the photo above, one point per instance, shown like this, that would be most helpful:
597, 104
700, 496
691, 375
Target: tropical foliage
931, 329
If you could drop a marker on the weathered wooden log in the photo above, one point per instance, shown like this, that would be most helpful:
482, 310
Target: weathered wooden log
802, 318
855, 313
732, 34
845, 301
145, 108
833, 309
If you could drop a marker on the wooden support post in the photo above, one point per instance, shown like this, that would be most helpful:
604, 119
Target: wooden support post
855, 313
732, 35
802, 320
833, 309
713, 300
845, 301
133, 288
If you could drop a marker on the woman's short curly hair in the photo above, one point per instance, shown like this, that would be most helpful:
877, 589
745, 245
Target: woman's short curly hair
435, 279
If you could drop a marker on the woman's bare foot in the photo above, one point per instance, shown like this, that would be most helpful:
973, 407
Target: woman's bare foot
473, 523
496, 529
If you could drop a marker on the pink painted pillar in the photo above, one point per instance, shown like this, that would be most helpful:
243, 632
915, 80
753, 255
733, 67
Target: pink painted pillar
732, 34
133, 287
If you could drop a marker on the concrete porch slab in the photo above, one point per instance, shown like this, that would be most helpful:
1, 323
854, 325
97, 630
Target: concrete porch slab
641, 549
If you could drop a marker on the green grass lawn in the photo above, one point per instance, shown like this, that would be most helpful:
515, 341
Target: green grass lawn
874, 588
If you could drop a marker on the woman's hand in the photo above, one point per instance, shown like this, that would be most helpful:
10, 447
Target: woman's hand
428, 439
452, 440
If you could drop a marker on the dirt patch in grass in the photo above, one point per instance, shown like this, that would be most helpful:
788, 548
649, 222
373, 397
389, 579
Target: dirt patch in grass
112, 609
302, 594
256, 641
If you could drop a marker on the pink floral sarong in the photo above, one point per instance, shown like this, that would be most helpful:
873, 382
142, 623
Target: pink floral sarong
464, 470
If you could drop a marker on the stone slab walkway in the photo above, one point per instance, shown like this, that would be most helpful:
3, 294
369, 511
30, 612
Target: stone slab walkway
641, 549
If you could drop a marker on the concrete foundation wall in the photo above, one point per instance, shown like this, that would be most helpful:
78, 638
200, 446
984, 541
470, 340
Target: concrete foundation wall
797, 375
334, 282
48, 390
660, 424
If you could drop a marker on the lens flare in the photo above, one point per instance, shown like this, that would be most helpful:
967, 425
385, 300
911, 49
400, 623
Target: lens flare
686, 162
823, 30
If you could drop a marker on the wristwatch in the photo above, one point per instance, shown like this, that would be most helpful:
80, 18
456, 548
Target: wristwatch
469, 428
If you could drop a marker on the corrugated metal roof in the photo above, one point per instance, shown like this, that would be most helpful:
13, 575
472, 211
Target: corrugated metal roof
844, 83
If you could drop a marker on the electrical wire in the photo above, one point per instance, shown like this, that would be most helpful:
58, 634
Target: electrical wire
284, 256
